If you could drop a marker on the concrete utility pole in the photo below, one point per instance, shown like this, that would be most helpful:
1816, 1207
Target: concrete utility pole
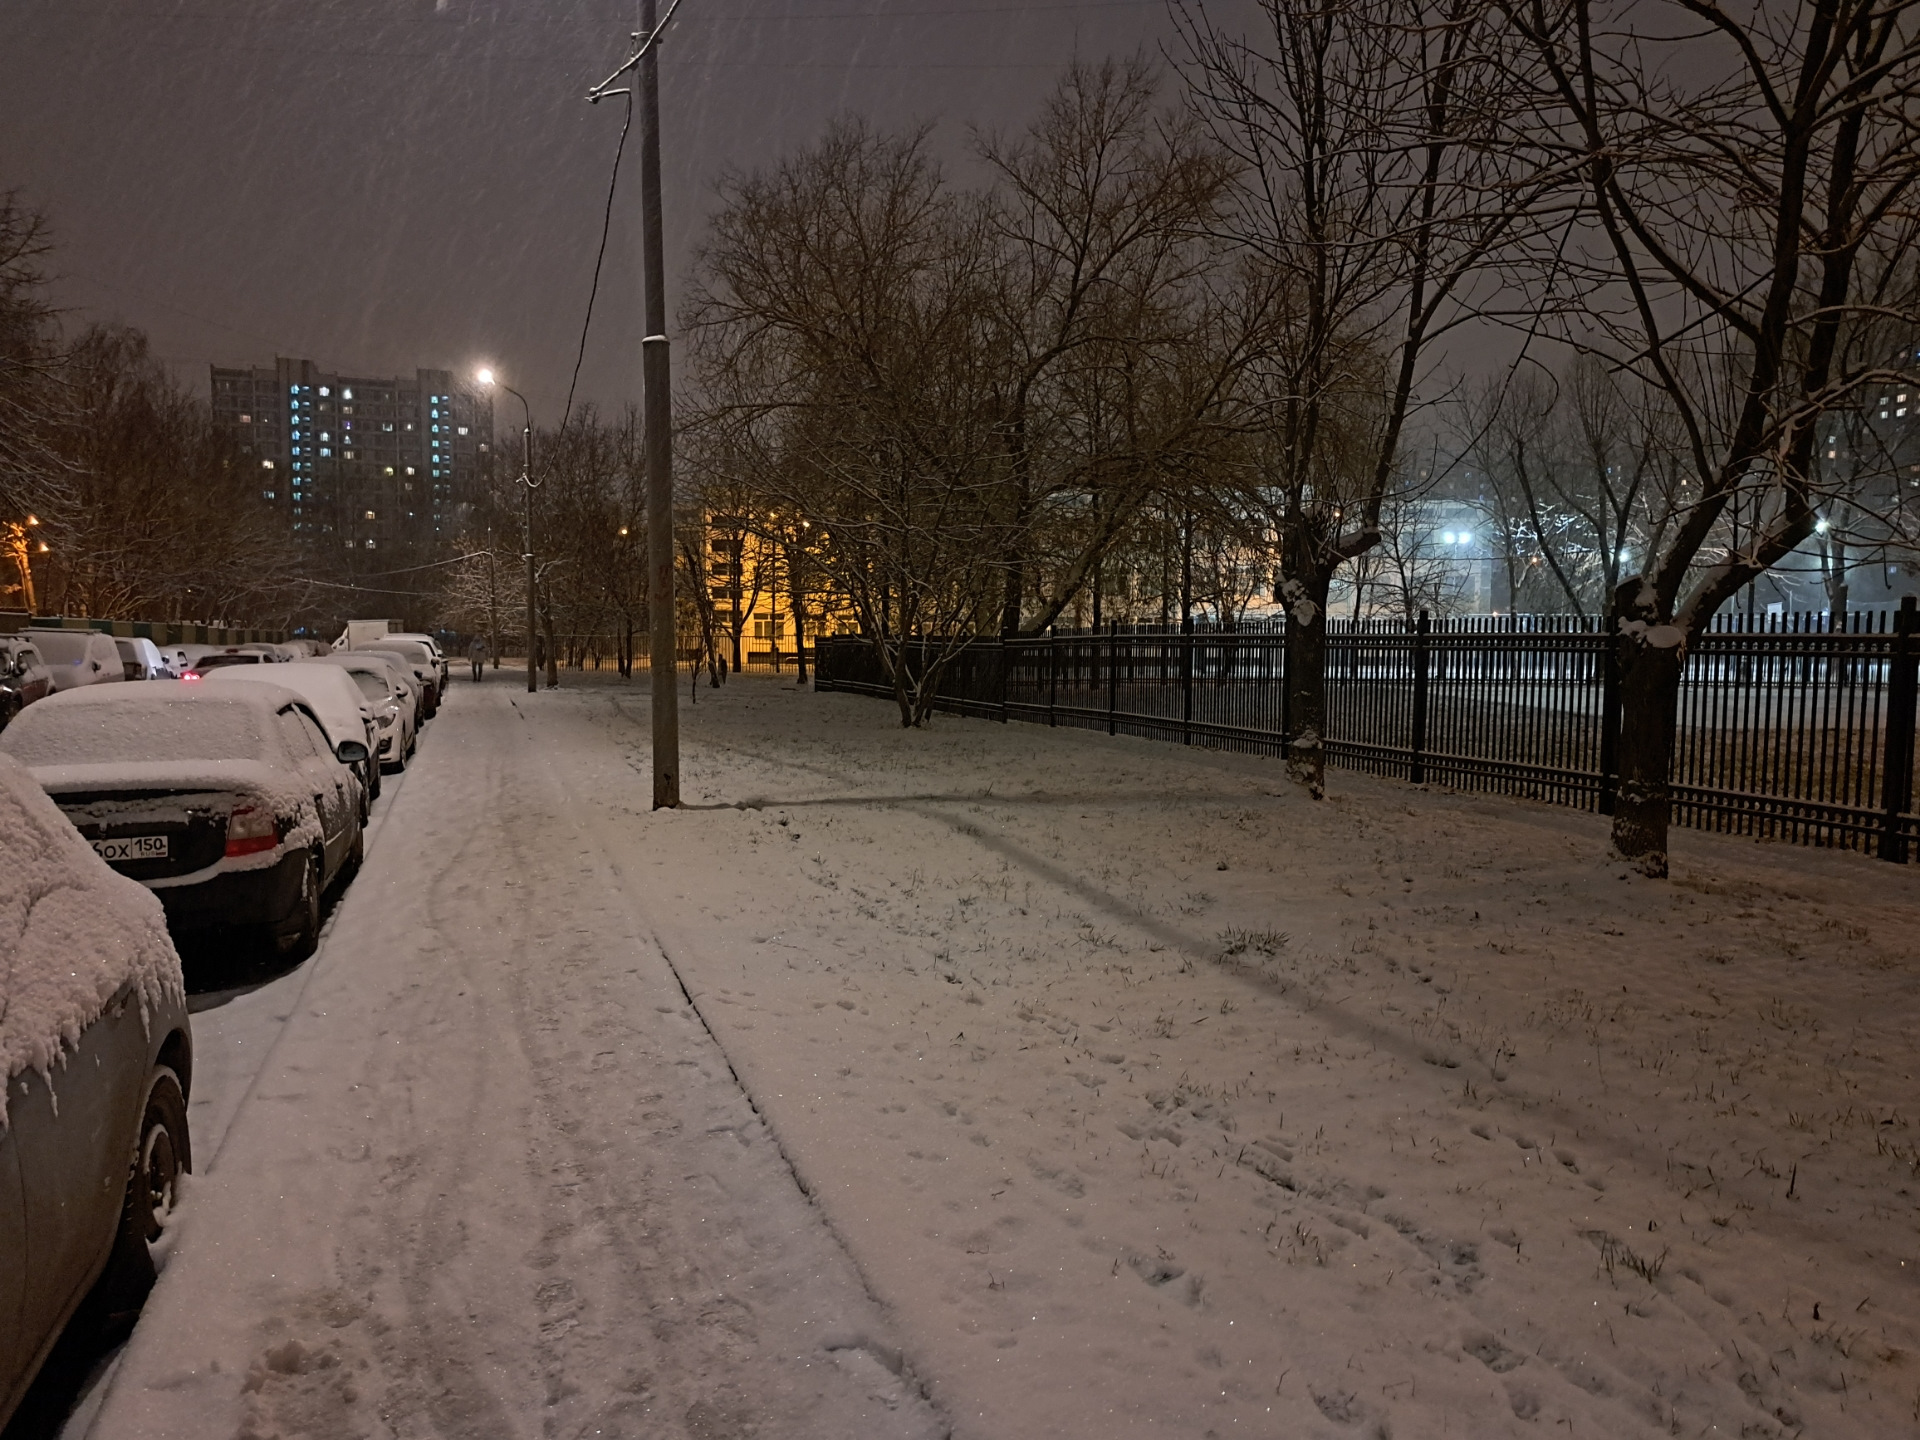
656, 412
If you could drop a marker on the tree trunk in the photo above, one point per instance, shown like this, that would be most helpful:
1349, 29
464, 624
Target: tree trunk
1305, 595
1651, 654
797, 602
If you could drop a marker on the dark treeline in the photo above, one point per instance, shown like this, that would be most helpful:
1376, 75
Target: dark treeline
118, 496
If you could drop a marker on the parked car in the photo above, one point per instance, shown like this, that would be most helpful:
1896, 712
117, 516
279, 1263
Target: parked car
343, 712
201, 659
426, 669
433, 649
24, 677
142, 660
227, 801
79, 657
392, 693
97, 1058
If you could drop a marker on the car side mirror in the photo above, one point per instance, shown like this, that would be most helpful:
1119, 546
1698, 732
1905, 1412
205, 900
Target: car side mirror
350, 752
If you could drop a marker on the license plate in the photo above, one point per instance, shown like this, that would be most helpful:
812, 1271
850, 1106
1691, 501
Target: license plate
133, 847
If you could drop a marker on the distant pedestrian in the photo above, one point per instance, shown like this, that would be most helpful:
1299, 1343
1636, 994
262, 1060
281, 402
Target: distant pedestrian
477, 653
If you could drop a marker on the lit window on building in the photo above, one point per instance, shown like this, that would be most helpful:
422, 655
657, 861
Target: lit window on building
346, 454
463, 430
266, 494
347, 394
370, 545
266, 464
246, 419
324, 390
370, 515
326, 451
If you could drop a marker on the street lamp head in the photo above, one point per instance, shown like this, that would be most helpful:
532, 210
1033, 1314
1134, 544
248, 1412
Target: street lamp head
484, 375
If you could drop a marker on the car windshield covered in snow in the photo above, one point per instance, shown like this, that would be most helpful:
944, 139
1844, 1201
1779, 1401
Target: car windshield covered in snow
371, 686
163, 724
412, 651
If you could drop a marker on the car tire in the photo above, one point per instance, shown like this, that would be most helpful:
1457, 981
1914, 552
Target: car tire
162, 1154
165, 1154
301, 937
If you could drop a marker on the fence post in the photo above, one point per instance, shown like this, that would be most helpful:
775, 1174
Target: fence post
1186, 683
1610, 713
1903, 680
1113, 676
1417, 772
1006, 662
1053, 674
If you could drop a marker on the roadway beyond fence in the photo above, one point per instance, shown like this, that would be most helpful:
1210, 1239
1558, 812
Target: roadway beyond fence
1790, 727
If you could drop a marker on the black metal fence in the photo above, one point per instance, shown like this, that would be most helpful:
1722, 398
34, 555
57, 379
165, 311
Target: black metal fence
1790, 727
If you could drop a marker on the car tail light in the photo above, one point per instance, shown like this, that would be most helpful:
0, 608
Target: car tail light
191, 675
251, 829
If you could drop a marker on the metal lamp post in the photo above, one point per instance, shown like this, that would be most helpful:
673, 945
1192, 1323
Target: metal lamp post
487, 377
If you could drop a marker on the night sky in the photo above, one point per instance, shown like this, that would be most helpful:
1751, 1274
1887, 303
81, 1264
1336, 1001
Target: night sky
380, 184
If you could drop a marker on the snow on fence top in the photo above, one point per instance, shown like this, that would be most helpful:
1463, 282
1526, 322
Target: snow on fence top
73, 934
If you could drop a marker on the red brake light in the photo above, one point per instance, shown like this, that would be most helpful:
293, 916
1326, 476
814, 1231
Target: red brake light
250, 830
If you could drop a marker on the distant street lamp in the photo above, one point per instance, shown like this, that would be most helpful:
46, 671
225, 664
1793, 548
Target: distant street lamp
17, 543
487, 377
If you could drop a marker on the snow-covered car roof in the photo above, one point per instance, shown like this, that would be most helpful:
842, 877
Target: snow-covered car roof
409, 652
67, 646
128, 724
334, 699
73, 934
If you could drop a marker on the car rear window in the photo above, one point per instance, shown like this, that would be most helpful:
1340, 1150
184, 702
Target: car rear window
214, 662
204, 728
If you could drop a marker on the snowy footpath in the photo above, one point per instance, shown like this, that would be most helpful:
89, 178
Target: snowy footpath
1007, 1083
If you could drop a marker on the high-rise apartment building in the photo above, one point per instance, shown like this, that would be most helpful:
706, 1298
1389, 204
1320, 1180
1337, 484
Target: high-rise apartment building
354, 463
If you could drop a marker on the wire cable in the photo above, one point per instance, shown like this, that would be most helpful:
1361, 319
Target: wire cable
606, 226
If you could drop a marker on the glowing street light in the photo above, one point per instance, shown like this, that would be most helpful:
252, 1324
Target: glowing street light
486, 377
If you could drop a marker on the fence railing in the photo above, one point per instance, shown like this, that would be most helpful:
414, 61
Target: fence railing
1789, 727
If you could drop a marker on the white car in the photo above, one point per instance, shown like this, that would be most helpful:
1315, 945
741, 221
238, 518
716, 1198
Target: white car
205, 659
393, 694
143, 660
79, 657
418, 658
224, 800
433, 648
344, 713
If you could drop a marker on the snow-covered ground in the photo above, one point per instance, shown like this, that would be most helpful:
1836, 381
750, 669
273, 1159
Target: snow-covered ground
1092, 1087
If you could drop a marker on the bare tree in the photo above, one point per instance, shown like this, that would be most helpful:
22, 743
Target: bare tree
837, 337
1376, 198
1739, 173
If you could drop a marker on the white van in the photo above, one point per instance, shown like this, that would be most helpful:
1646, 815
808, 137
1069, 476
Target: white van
78, 657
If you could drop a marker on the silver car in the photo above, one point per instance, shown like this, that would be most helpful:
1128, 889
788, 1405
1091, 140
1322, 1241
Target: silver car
98, 1061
